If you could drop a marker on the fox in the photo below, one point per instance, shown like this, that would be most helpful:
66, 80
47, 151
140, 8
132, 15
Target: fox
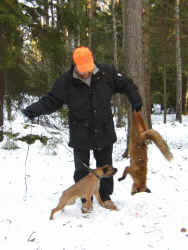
139, 136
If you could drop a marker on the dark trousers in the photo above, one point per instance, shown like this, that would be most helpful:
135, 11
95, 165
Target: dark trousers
102, 157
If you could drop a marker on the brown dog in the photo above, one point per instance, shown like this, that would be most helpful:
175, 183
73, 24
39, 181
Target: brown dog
138, 152
85, 188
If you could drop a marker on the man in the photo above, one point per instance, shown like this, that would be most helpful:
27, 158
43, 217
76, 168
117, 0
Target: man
87, 90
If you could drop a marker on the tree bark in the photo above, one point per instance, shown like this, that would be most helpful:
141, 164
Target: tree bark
164, 92
133, 44
133, 49
178, 65
52, 13
147, 66
91, 8
2, 88
186, 97
117, 97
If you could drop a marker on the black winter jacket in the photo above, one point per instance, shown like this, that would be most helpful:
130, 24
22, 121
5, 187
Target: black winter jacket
90, 115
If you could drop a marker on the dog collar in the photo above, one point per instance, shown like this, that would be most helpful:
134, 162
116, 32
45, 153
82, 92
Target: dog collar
91, 171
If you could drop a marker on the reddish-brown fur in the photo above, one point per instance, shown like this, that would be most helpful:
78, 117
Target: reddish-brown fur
138, 152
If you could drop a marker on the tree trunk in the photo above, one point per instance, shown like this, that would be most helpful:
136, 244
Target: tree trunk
117, 97
165, 58
72, 42
52, 13
164, 92
124, 19
58, 13
115, 33
2, 88
147, 66
133, 47
91, 7
9, 108
178, 65
133, 44
186, 97
46, 13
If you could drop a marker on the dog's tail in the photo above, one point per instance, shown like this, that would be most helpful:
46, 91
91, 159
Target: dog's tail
154, 136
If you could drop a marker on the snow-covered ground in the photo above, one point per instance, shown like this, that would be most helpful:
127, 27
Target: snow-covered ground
33, 178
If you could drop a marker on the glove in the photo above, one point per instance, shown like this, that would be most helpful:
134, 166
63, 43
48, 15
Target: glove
137, 107
28, 114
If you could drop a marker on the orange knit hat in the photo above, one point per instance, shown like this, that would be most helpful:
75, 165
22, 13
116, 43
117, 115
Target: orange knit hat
83, 59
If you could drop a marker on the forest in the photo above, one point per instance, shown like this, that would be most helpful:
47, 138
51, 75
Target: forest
145, 39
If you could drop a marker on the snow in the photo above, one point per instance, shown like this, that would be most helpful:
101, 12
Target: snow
33, 177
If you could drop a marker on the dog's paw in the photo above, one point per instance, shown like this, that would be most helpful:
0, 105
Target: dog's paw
85, 209
109, 205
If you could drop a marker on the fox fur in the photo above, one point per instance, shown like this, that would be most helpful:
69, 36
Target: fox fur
138, 152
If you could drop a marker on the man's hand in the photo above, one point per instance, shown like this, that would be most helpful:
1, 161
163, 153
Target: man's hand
137, 107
